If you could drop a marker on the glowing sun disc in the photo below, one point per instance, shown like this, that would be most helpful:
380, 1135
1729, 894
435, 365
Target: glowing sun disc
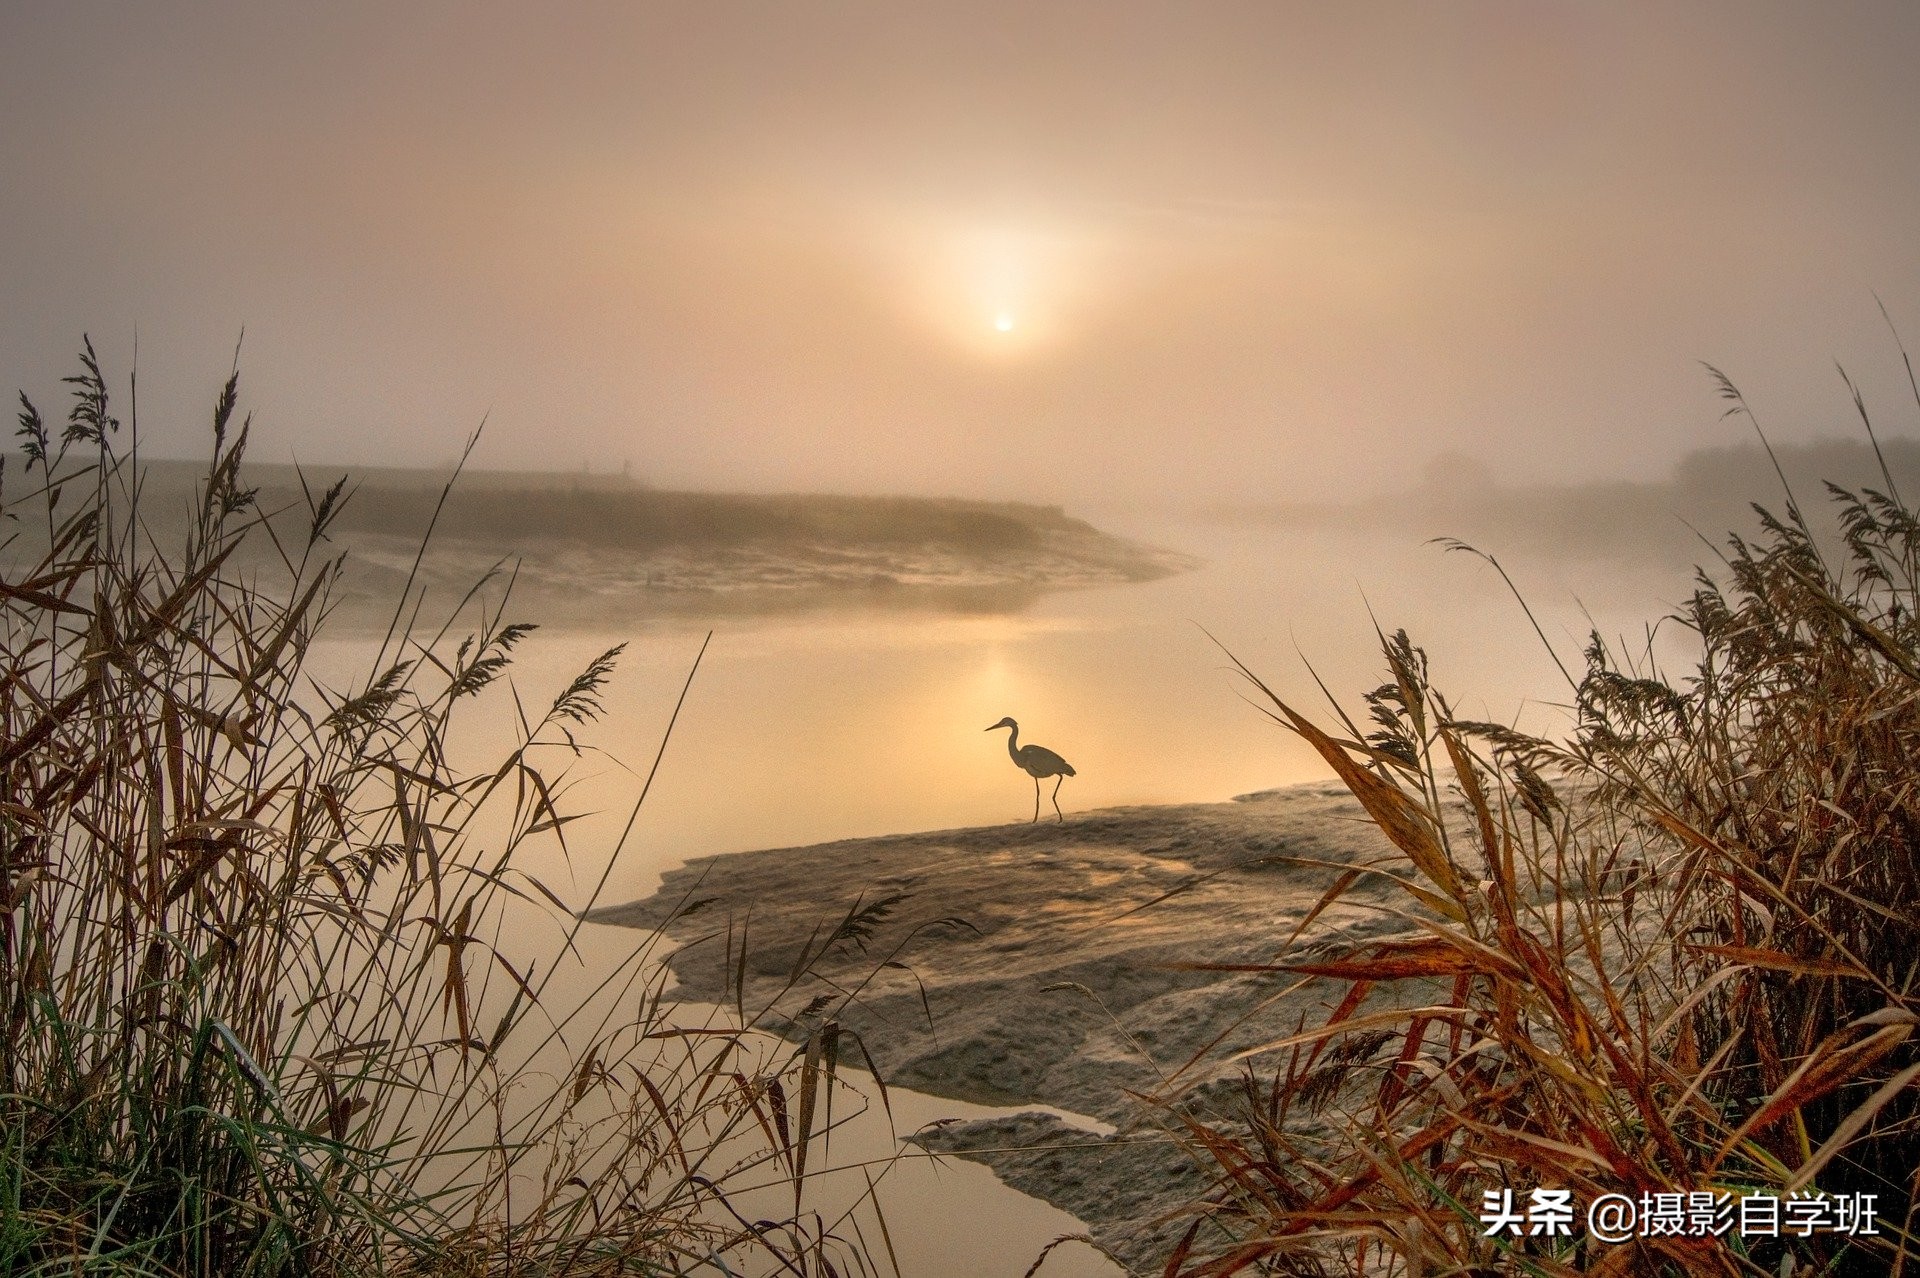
1003, 322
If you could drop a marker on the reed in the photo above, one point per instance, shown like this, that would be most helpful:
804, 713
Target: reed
258, 1014
1673, 952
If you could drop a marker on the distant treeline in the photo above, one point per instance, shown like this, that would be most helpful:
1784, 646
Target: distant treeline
1709, 490
1737, 475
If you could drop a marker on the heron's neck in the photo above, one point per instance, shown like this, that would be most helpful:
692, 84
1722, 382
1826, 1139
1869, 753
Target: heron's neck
1013, 741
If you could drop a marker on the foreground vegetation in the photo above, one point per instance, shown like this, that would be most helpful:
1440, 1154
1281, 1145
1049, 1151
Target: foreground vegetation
1676, 952
256, 1013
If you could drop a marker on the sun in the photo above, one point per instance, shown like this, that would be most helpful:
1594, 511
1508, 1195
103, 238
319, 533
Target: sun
1003, 322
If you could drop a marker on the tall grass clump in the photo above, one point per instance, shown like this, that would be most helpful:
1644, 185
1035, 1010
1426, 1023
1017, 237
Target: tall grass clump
1673, 953
256, 1013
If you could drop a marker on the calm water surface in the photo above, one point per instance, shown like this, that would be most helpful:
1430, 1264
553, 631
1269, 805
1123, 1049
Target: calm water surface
868, 722
853, 723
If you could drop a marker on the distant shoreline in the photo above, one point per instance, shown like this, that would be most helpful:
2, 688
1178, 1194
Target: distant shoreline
604, 550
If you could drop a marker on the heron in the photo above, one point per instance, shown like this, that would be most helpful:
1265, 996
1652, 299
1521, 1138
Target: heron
1037, 762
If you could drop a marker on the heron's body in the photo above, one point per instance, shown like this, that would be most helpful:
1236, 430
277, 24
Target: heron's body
1036, 762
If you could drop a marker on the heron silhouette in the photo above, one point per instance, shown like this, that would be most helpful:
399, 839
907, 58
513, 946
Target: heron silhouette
1037, 762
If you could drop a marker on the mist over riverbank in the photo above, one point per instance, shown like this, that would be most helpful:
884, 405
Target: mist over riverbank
596, 548
1671, 522
586, 548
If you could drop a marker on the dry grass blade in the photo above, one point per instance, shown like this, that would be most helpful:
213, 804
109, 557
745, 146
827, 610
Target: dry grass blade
1852, 1125
1774, 960
1398, 817
1831, 1065
1398, 961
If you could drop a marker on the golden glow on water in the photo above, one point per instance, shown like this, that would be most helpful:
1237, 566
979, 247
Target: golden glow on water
801, 730
845, 724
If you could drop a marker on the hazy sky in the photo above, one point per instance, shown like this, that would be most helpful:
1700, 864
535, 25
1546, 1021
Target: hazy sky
1243, 250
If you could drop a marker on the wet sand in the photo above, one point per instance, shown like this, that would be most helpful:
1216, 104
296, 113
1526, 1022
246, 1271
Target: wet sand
1040, 965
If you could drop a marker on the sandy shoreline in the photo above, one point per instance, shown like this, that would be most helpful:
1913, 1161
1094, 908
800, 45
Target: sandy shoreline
1039, 965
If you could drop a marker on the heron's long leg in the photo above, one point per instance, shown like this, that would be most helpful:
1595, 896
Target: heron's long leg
1056, 798
1036, 801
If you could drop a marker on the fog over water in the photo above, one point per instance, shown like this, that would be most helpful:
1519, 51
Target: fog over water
866, 721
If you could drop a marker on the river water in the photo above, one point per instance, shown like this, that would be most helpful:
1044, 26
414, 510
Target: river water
853, 722
867, 722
